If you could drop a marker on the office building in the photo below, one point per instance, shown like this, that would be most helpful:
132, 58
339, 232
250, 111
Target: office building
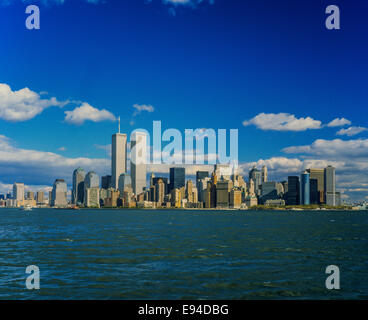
330, 181
293, 197
125, 183
235, 198
319, 175
106, 182
118, 157
138, 161
256, 176
264, 174
92, 197
177, 178
314, 194
18, 192
223, 189
269, 191
40, 197
305, 188
78, 186
59, 194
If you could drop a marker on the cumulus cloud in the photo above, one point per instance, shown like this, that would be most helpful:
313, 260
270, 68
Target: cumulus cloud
35, 167
24, 104
339, 122
282, 122
351, 131
333, 149
87, 112
139, 108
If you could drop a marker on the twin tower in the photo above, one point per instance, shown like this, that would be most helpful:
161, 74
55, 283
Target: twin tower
119, 159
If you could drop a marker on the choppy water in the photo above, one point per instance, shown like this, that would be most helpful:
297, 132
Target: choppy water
171, 254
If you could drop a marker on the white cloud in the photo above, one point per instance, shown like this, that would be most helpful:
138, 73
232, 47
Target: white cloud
141, 108
339, 122
23, 104
62, 149
87, 112
282, 122
333, 149
351, 131
39, 167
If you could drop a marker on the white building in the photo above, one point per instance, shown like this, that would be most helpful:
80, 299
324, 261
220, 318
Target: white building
138, 161
118, 157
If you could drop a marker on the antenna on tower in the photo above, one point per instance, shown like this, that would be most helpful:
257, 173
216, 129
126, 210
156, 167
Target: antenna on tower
119, 123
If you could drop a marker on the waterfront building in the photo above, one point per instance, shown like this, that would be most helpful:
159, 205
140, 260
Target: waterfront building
314, 194
59, 193
251, 188
256, 176
160, 192
319, 175
330, 182
305, 188
92, 197
118, 157
275, 202
176, 198
106, 182
189, 191
138, 161
164, 180
18, 192
202, 186
293, 195
235, 198
269, 191
125, 183
223, 189
251, 201
78, 186
177, 178
40, 197
30, 195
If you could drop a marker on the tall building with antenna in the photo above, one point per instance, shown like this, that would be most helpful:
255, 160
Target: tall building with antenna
118, 157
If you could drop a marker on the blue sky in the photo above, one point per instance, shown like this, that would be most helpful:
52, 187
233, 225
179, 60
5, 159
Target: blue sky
209, 64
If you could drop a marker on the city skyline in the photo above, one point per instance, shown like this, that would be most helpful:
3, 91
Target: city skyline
295, 107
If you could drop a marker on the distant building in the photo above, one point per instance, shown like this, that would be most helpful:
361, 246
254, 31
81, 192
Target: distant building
92, 197
293, 195
118, 157
177, 178
40, 197
223, 189
138, 162
330, 186
125, 183
164, 180
264, 174
251, 201
304, 188
235, 198
314, 194
319, 175
106, 182
59, 194
18, 192
78, 186
160, 192
30, 195
269, 191
256, 176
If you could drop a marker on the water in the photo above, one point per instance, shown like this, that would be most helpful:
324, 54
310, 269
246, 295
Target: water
174, 254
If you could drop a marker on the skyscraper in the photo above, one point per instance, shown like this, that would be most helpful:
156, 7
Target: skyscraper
118, 157
59, 193
106, 182
18, 191
330, 182
293, 190
256, 176
314, 194
264, 174
138, 161
304, 188
177, 178
125, 183
319, 175
78, 186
